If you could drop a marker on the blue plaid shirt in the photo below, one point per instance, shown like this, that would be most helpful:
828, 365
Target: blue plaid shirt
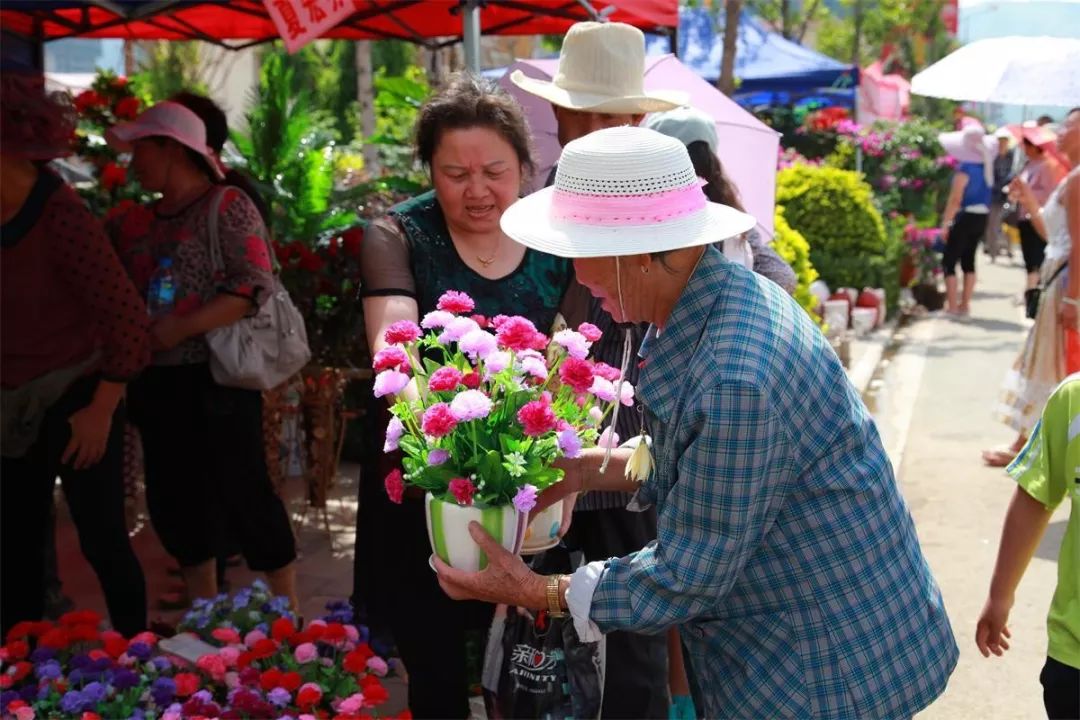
785, 552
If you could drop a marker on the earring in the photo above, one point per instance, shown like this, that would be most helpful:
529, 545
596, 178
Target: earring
644, 270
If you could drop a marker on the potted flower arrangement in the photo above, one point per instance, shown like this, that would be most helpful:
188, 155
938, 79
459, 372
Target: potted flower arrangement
482, 410
924, 266
252, 608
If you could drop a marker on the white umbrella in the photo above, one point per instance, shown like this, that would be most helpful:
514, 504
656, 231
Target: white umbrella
1009, 70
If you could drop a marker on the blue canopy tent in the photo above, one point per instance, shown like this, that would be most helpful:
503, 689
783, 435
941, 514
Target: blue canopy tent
769, 67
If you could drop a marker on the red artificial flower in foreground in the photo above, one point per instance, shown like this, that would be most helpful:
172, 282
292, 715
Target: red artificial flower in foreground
456, 302
114, 643
80, 617
438, 421
270, 679
127, 109
186, 684
113, 176
471, 380
537, 418
228, 636
57, 639
88, 99
518, 333
17, 650
444, 379
335, 632
291, 681
282, 629
462, 490
395, 486
356, 660
578, 374
402, 332
310, 694
374, 692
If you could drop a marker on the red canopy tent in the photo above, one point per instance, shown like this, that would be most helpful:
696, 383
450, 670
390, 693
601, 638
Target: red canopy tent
431, 23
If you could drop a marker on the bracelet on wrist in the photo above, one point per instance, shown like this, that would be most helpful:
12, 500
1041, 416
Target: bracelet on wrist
554, 599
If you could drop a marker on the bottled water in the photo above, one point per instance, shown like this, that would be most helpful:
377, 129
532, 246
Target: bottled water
161, 295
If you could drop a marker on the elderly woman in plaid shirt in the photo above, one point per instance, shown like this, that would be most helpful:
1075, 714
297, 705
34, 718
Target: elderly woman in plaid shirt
785, 553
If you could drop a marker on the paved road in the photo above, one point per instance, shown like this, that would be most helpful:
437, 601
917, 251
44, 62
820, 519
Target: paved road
946, 380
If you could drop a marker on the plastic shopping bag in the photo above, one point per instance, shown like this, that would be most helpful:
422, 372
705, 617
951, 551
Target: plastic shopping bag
536, 667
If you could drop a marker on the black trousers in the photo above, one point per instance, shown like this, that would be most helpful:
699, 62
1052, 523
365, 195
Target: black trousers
95, 497
396, 588
1061, 690
206, 468
963, 242
1032, 245
636, 679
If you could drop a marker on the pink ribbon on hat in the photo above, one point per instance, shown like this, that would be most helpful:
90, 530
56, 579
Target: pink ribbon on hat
626, 210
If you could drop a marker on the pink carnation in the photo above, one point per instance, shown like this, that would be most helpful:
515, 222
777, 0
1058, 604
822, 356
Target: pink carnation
569, 443
537, 417
626, 394
517, 333
212, 665
351, 705
394, 430
395, 486
436, 319
390, 357
578, 374
462, 490
456, 302
590, 331
226, 635
305, 653
496, 362
253, 637
608, 438
230, 655
456, 329
470, 405
575, 343
525, 499
603, 389
378, 666
437, 457
444, 379
402, 332
477, 344
606, 371
498, 320
390, 382
438, 420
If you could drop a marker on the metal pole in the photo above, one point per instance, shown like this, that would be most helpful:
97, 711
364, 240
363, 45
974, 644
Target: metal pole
470, 35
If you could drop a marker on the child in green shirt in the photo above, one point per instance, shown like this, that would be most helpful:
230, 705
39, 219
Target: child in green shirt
1046, 471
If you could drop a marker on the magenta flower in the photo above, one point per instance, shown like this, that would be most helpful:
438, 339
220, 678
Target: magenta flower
537, 418
470, 405
462, 490
438, 456
569, 443
402, 332
390, 382
351, 705
436, 319
456, 302
477, 344
606, 371
395, 486
438, 420
576, 373
590, 332
525, 499
392, 357
378, 666
575, 343
517, 333
306, 653
445, 379
394, 430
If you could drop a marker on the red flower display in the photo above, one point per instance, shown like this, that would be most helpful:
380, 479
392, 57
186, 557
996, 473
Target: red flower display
456, 302
395, 486
402, 332
517, 334
445, 379
537, 418
578, 374
462, 489
127, 108
438, 420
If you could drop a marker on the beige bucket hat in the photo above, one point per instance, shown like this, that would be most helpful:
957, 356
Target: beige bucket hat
601, 69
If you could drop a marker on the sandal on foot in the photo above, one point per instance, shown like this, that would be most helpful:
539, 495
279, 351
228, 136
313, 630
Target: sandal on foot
998, 458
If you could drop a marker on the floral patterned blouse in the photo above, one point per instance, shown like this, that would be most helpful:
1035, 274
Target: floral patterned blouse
143, 237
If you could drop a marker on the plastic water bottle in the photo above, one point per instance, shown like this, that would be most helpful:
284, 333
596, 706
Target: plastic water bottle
161, 294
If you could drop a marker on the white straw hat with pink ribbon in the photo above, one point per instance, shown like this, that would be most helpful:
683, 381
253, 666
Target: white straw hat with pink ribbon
622, 191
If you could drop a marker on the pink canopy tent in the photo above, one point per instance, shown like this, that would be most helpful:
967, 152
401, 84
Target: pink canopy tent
748, 147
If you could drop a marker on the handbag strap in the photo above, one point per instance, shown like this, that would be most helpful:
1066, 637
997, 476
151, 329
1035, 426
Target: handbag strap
217, 259
1056, 273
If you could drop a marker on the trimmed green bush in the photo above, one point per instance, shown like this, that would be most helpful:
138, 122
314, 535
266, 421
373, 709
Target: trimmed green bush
792, 246
834, 211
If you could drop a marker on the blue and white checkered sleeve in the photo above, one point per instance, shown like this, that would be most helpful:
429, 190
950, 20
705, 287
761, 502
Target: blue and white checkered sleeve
732, 477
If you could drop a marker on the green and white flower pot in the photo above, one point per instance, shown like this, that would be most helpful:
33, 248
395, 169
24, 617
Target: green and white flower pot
448, 531
543, 532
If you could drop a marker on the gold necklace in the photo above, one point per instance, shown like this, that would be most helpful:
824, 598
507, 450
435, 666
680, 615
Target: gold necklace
486, 262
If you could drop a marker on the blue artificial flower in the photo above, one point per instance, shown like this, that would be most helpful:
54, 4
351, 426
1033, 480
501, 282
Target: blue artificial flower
73, 702
241, 601
279, 696
42, 654
202, 622
95, 692
79, 661
263, 627
161, 663
124, 679
48, 670
260, 585
203, 696
137, 714
163, 690
139, 651
6, 699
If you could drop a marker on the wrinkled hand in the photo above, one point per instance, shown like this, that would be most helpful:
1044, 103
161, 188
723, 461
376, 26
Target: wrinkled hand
506, 579
167, 332
569, 485
1069, 315
991, 632
89, 435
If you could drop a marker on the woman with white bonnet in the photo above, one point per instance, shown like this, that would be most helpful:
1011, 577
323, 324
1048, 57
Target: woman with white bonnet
697, 131
964, 220
785, 553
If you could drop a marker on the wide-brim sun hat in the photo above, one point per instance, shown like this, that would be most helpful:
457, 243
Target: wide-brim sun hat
687, 125
166, 119
601, 69
970, 144
622, 191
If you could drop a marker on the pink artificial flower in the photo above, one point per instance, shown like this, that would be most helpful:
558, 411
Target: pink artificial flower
25, 713
603, 389
606, 371
394, 430
517, 333
305, 653
444, 379
480, 320
470, 405
352, 634
437, 457
608, 438
212, 665
390, 382
253, 637
456, 302
537, 418
626, 394
391, 357
574, 342
478, 344
471, 380
534, 365
436, 319
578, 374
232, 680
395, 486
226, 635
351, 705
402, 332
147, 638
525, 499
438, 421
456, 329
569, 443
462, 489
590, 331
229, 656
496, 362
378, 666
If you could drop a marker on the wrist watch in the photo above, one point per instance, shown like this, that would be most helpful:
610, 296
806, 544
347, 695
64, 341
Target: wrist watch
554, 598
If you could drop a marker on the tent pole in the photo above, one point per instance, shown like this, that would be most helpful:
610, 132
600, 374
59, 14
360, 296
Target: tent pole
470, 21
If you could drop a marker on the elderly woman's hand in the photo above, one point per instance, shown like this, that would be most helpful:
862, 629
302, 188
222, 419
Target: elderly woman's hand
506, 579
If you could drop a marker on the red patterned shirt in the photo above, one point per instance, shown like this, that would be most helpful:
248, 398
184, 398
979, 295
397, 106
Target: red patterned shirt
143, 237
